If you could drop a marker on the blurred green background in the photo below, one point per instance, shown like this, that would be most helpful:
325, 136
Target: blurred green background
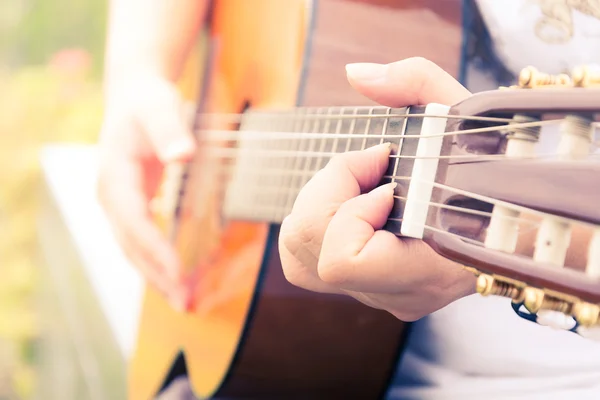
50, 90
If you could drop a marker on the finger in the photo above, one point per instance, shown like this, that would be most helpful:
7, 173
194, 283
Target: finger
152, 274
413, 81
344, 177
297, 274
121, 193
358, 256
164, 119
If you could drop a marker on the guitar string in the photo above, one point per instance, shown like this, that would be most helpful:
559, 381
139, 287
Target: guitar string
232, 153
520, 219
228, 135
239, 118
387, 116
434, 229
285, 209
251, 175
228, 152
321, 155
482, 244
465, 210
496, 202
300, 136
460, 209
272, 209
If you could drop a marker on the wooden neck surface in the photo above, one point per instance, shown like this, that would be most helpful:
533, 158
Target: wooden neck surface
269, 173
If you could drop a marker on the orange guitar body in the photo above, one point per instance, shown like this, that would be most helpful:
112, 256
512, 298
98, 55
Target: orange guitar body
249, 333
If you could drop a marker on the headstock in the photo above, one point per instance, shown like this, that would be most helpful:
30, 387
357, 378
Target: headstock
517, 195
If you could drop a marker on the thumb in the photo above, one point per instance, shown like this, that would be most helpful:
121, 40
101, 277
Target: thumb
167, 124
413, 81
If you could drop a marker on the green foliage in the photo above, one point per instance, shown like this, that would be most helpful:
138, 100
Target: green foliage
39, 103
41, 106
32, 30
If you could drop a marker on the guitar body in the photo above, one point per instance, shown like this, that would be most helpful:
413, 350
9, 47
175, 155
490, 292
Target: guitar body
249, 333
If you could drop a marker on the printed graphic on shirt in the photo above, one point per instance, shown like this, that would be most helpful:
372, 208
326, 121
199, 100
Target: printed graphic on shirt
552, 35
556, 24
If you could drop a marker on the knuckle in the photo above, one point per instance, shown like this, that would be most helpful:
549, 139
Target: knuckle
421, 62
339, 161
347, 207
295, 276
288, 248
332, 272
420, 59
297, 233
289, 233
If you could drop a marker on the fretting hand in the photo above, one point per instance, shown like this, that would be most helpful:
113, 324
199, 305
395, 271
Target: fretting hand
332, 241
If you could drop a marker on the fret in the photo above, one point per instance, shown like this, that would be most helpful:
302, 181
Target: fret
326, 126
399, 144
295, 180
265, 186
292, 145
251, 198
385, 126
351, 130
338, 130
282, 125
402, 167
310, 162
367, 129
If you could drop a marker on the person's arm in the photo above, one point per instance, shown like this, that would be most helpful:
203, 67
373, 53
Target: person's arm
153, 35
145, 127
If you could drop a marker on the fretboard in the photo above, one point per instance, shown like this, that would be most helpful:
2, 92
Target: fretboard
277, 156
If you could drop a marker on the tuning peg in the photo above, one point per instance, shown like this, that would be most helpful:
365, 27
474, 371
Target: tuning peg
535, 299
586, 314
488, 285
586, 75
530, 77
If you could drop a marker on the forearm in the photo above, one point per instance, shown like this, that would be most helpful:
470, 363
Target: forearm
151, 35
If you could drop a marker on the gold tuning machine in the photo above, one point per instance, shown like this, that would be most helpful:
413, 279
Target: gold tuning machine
536, 299
586, 314
586, 76
530, 78
488, 285
582, 76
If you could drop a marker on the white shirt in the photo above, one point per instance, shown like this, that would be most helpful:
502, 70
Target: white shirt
478, 347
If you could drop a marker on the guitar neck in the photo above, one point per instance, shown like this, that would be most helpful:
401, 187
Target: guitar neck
277, 155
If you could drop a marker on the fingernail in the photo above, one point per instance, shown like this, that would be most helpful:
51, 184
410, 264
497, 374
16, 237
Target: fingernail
177, 151
385, 190
381, 146
366, 71
389, 186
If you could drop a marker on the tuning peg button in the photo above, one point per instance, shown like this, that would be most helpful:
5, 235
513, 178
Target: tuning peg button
534, 299
555, 319
585, 76
530, 77
487, 285
586, 314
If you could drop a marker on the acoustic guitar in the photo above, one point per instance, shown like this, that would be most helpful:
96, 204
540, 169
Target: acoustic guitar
249, 332
478, 181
